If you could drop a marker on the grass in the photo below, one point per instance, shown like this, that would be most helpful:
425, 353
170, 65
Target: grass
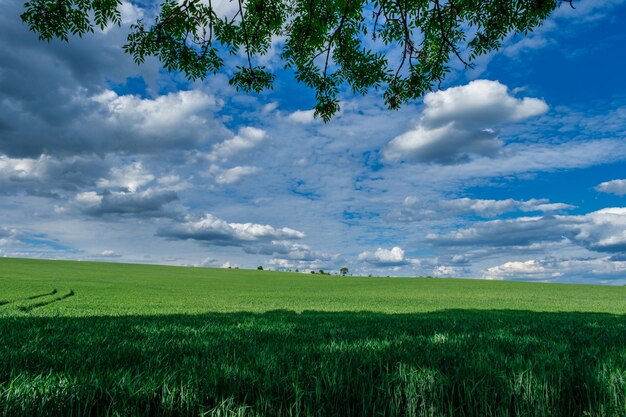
136, 340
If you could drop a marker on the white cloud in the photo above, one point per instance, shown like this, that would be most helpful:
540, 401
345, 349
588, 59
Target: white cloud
47, 175
247, 139
521, 231
23, 168
600, 231
306, 265
479, 103
129, 177
520, 158
146, 203
530, 269
447, 271
543, 206
415, 210
130, 13
8, 234
270, 107
224, 8
446, 144
213, 230
302, 116
526, 43
553, 269
617, 187
232, 175
88, 198
385, 257
107, 123
160, 117
603, 230
458, 123
484, 208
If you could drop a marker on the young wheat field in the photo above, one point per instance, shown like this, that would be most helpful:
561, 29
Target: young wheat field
96, 339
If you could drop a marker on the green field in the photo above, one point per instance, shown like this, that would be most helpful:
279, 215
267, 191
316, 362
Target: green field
96, 339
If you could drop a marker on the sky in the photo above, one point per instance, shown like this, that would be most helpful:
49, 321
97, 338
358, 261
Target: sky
514, 170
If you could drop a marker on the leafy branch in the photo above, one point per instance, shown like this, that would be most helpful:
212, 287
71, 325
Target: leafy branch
404, 47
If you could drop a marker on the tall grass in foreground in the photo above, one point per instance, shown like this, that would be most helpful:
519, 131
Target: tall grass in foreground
280, 363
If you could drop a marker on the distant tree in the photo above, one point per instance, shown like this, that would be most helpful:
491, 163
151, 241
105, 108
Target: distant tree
344, 270
260, 268
312, 271
403, 47
297, 270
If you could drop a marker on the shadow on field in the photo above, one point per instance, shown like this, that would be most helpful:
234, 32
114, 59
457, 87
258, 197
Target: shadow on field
280, 363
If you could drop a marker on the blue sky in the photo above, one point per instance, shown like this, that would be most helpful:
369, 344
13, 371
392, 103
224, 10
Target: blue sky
516, 169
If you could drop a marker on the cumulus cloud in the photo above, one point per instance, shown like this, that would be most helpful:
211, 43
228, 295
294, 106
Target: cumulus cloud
53, 98
302, 116
385, 257
617, 187
479, 103
247, 139
110, 123
147, 203
458, 124
215, 231
600, 231
603, 230
125, 190
129, 177
237, 147
176, 120
48, 175
445, 145
530, 269
551, 269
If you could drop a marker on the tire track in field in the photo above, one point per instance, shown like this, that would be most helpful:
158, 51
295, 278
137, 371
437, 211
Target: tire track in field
29, 308
32, 297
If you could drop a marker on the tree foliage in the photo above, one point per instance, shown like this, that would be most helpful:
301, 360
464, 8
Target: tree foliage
401, 46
